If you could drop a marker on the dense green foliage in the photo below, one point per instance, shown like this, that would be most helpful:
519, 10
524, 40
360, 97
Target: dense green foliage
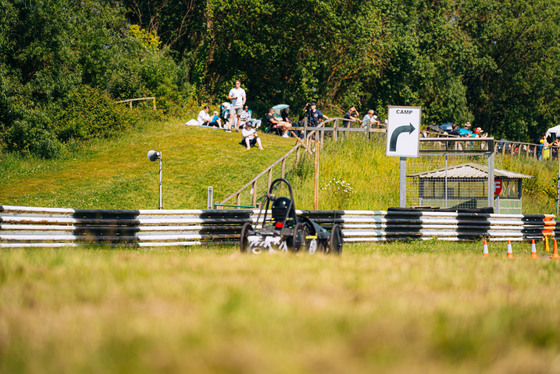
495, 63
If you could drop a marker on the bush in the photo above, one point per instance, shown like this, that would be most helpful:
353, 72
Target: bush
27, 138
91, 113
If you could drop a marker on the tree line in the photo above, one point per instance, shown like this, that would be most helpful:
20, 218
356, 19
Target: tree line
63, 63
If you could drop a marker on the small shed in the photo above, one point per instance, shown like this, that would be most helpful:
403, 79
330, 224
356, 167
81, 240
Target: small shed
466, 186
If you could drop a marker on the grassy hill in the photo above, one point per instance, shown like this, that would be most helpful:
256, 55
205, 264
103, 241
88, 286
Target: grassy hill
116, 174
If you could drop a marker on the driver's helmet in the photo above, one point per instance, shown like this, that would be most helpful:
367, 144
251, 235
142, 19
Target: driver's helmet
280, 208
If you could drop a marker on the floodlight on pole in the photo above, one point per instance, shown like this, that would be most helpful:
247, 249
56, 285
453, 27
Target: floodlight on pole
153, 156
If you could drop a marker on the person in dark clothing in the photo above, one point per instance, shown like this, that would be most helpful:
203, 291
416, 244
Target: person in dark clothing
351, 115
315, 116
275, 124
455, 130
286, 115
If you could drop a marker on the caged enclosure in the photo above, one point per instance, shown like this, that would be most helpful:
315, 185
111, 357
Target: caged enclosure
459, 173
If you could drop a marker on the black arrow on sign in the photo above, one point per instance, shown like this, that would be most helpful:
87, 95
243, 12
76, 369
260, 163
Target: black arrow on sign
394, 136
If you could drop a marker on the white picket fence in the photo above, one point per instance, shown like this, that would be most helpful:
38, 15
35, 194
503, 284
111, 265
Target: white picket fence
57, 227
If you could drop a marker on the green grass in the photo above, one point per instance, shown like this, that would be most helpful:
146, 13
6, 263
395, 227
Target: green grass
402, 307
116, 174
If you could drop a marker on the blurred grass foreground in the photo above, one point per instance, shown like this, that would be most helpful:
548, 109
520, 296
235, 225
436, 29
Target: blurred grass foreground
395, 308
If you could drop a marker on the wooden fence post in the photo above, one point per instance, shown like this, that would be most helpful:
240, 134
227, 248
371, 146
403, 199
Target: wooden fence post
335, 130
316, 200
254, 193
269, 179
535, 151
284, 168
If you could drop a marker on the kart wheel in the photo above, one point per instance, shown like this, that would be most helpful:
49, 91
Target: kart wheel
243, 241
298, 240
334, 244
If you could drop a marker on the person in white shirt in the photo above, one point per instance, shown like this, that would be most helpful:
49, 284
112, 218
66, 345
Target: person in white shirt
204, 117
245, 114
370, 119
238, 97
250, 137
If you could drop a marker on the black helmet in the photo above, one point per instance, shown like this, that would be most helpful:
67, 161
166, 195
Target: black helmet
280, 208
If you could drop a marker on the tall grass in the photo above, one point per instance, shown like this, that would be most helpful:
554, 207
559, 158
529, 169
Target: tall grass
373, 178
421, 307
539, 193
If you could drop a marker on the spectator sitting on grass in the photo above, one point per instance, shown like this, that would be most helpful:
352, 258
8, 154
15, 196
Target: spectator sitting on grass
245, 114
286, 115
250, 137
204, 117
216, 119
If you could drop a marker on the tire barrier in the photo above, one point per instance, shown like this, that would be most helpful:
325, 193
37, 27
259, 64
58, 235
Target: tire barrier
58, 227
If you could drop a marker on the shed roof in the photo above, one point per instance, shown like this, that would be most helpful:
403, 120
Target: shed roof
469, 170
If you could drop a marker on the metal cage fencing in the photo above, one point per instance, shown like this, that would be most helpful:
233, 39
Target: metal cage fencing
450, 173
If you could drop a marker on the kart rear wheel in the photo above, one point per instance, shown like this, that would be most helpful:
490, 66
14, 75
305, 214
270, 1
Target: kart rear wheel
243, 240
334, 244
298, 240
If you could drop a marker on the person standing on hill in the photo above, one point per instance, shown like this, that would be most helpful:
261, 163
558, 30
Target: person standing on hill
314, 115
238, 98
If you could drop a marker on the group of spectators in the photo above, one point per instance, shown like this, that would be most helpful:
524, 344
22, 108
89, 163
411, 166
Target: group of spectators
369, 120
547, 147
240, 117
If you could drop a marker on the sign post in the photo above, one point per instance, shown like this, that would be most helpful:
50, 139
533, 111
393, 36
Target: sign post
403, 130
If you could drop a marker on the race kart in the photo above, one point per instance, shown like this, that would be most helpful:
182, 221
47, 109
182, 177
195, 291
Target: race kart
278, 228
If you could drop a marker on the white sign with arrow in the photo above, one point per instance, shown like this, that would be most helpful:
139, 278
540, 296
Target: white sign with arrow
403, 130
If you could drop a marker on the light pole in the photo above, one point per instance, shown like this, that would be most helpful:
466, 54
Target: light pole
153, 156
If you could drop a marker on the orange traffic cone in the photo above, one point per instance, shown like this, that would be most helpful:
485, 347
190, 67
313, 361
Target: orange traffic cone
533, 250
555, 255
509, 250
485, 249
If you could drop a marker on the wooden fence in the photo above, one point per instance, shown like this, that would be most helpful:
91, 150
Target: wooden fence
130, 101
333, 126
55, 227
510, 148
